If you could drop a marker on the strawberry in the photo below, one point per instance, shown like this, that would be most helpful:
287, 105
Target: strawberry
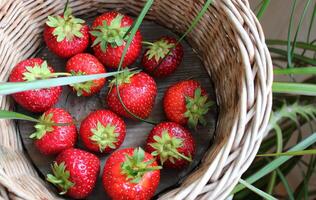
137, 91
130, 174
171, 144
109, 39
39, 100
85, 64
153, 59
52, 139
75, 173
102, 131
66, 35
186, 103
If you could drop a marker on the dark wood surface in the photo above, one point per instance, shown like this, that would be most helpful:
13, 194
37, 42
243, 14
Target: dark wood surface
79, 107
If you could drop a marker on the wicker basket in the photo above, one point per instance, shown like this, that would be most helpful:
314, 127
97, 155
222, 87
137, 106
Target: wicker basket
229, 41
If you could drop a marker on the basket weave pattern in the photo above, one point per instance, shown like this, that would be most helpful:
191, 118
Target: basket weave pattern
231, 44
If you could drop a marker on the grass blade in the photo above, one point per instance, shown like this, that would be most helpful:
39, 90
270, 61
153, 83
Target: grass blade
132, 33
4, 114
279, 141
256, 190
296, 57
290, 153
289, 50
294, 88
263, 8
285, 184
14, 87
301, 45
277, 162
299, 26
296, 71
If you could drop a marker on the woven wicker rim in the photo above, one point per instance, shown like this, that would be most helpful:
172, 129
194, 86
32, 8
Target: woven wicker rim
230, 42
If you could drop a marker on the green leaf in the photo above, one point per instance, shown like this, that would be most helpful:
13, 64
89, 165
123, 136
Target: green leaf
4, 114
14, 87
295, 57
290, 153
285, 184
289, 49
263, 8
297, 71
294, 88
256, 190
279, 145
299, 27
310, 140
301, 45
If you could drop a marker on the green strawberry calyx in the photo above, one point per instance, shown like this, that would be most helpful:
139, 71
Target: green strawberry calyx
104, 136
44, 125
66, 26
60, 177
82, 87
134, 167
124, 77
113, 34
39, 72
166, 148
197, 107
159, 49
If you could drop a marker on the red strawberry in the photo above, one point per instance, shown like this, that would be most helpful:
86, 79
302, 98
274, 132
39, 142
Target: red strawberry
108, 31
39, 100
138, 92
51, 139
172, 144
66, 35
102, 131
75, 173
153, 57
186, 103
131, 174
85, 64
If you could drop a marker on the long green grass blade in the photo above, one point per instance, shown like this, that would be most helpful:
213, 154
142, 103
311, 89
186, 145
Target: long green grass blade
296, 71
132, 33
296, 57
279, 144
4, 114
298, 44
299, 26
14, 87
311, 23
263, 8
289, 50
256, 190
294, 88
285, 184
277, 162
291, 153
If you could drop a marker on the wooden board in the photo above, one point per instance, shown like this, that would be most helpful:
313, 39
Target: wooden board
79, 107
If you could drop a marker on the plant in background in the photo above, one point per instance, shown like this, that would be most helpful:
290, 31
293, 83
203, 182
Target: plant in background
274, 160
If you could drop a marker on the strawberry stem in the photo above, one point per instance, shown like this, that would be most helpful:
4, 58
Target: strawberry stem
166, 147
134, 167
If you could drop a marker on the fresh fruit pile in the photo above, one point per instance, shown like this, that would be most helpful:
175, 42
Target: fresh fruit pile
130, 173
